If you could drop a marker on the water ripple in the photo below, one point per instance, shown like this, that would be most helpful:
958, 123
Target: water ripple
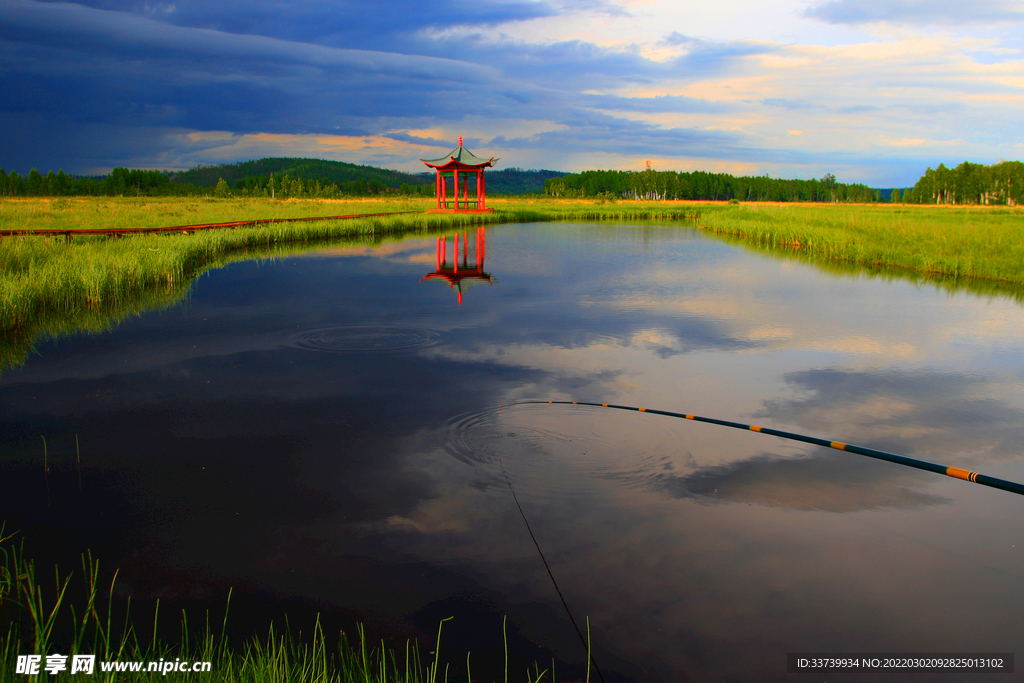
561, 449
362, 338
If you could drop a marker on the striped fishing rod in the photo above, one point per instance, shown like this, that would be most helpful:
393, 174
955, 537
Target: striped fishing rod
954, 472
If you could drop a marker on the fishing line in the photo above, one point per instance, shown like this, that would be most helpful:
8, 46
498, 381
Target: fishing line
546, 566
954, 472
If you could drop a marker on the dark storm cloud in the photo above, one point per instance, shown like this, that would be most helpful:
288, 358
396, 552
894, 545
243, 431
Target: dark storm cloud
117, 66
71, 67
115, 82
434, 142
54, 141
64, 29
913, 12
340, 24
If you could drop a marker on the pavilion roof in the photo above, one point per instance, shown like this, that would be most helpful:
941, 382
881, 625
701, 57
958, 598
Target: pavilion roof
461, 281
461, 156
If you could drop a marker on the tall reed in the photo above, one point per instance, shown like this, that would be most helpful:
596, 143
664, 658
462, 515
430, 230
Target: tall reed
36, 620
979, 243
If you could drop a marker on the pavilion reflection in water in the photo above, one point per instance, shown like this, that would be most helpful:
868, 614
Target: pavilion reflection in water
461, 277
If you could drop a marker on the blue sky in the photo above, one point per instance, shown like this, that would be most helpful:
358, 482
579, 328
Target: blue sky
873, 91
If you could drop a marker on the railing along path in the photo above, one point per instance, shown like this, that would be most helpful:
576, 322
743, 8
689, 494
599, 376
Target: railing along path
120, 232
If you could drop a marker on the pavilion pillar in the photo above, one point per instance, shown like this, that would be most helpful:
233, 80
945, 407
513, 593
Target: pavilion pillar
483, 189
456, 201
437, 189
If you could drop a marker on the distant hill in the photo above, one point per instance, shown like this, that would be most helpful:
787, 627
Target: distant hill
518, 181
325, 171
501, 181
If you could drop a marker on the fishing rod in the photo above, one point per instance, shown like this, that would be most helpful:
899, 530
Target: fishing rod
954, 472
585, 641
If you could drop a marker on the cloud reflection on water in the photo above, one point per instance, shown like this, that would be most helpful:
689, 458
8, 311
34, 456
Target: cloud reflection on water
833, 483
371, 482
946, 417
966, 417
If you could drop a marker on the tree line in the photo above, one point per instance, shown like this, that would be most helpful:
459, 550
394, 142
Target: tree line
286, 187
350, 178
122, 182
659, 185
968, 183
118, 182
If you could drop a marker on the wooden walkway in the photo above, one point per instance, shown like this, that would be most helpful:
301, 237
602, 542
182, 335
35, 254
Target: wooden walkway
186, 229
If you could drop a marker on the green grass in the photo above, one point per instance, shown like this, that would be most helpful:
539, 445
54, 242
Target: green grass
75, 213
38, 619
50, 287
950, 245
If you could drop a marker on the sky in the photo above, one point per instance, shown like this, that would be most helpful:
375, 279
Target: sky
873, 91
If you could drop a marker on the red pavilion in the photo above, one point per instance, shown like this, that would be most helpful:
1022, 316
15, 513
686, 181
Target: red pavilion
461, 278
460, 164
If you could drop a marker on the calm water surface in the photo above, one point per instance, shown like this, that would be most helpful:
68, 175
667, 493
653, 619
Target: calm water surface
332, 433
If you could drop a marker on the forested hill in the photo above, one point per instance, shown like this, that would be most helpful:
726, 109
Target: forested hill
246, 174
516, 180
327, 172
281, 177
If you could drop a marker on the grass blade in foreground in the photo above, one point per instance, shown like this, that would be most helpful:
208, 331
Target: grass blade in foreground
954, 472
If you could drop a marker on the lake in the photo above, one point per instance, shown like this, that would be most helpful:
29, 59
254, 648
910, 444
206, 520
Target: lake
334, 432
